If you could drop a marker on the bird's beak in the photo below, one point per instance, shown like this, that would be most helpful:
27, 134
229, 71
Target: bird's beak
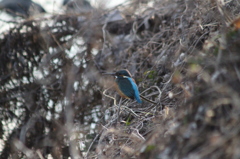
108, 73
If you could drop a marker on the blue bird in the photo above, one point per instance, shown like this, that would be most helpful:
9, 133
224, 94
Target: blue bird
125, 85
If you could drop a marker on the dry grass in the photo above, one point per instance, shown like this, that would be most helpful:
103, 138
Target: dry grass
184, 55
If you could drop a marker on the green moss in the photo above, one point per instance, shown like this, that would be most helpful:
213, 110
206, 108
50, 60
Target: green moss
149, 148
150, 74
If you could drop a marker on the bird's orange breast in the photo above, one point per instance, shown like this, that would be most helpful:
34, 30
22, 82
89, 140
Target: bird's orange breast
120, 92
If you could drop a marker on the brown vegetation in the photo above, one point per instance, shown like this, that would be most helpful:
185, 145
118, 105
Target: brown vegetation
183, 54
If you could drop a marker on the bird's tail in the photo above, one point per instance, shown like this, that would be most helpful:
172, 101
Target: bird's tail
150, 101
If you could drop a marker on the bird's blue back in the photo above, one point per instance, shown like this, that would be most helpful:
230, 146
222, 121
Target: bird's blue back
128, 87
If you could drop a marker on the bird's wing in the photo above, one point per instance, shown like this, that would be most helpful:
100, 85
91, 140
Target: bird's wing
125, 88
135, 90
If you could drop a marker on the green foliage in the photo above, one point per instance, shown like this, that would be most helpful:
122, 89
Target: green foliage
149, 148
150, 74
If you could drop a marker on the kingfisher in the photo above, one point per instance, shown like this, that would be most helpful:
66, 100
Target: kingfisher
126, 85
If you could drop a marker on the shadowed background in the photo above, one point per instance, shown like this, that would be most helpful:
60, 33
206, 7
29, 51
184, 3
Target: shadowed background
55, 103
